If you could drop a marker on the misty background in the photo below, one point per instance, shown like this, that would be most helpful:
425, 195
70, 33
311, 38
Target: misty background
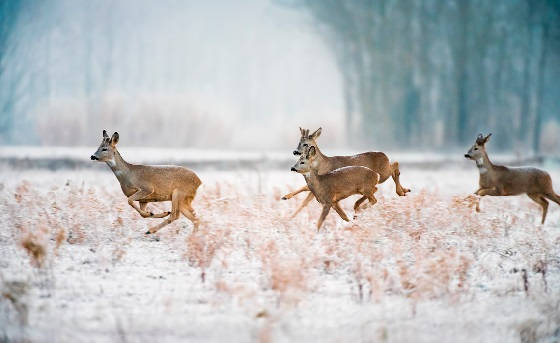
386, 74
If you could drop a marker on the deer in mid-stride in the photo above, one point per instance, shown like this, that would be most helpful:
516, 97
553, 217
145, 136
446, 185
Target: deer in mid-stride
376, 161
337, 184
146, 184
502, 181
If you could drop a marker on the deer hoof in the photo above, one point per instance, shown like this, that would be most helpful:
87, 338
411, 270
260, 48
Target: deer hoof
148, 232
284, 198
151, 214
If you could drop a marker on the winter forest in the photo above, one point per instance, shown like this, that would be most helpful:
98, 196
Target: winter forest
397, 74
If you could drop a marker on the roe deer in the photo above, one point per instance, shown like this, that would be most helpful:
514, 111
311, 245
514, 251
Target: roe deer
501, 180
337, 184
376, 161
151, 184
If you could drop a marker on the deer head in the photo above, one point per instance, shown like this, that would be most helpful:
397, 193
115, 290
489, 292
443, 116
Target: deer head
303, 165
478, 149
306, 140
107, 148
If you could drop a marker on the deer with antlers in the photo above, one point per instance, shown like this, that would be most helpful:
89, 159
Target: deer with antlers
504, 181
337, 184
376, 161
144, 184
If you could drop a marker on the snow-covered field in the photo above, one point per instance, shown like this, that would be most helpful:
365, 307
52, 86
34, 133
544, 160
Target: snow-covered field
75, 265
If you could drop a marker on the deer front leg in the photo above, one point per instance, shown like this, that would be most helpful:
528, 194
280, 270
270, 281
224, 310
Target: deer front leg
143, 206
326, 209
292, 194
340, 212
139, 195
306, 201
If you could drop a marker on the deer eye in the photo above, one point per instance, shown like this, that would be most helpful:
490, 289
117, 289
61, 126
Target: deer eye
305, 144
475, 148
104, 149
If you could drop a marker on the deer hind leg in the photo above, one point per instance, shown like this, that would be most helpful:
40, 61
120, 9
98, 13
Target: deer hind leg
395, 174
175, 199
306, 201
187, 210
326, 209
553, 196
292, 194
538, 198
143, 206
340, 212
369, 196
358, 203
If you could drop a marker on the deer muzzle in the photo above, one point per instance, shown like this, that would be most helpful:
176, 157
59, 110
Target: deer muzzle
297, 153
467, 156
93, 158
293, 169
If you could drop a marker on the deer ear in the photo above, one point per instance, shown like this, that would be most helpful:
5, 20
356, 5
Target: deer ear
105, 135
487, 138
479, 139
316, 134
311, 151
115, 139
301, 131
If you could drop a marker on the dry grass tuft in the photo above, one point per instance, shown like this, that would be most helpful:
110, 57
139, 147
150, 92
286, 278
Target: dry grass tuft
60, 238
15, 292
35, 249
201, 248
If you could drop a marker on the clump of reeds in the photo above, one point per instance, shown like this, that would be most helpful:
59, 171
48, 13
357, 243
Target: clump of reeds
36, 249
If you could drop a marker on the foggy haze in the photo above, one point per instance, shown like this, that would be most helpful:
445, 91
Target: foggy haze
217, 74
389, 74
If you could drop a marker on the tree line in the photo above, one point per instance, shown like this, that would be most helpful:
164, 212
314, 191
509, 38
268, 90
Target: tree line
431, 72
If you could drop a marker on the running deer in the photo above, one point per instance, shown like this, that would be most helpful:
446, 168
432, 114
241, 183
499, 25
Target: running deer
376, 161
151, 184
501, 181
337, 184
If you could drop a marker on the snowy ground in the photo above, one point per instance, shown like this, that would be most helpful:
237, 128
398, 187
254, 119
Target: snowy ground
422, 268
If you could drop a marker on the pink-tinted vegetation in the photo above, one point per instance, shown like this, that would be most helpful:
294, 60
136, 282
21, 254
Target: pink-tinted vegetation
428, 246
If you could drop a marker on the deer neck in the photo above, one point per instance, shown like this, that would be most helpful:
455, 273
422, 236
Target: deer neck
321, 160
484, 164
312, 179
119, 166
